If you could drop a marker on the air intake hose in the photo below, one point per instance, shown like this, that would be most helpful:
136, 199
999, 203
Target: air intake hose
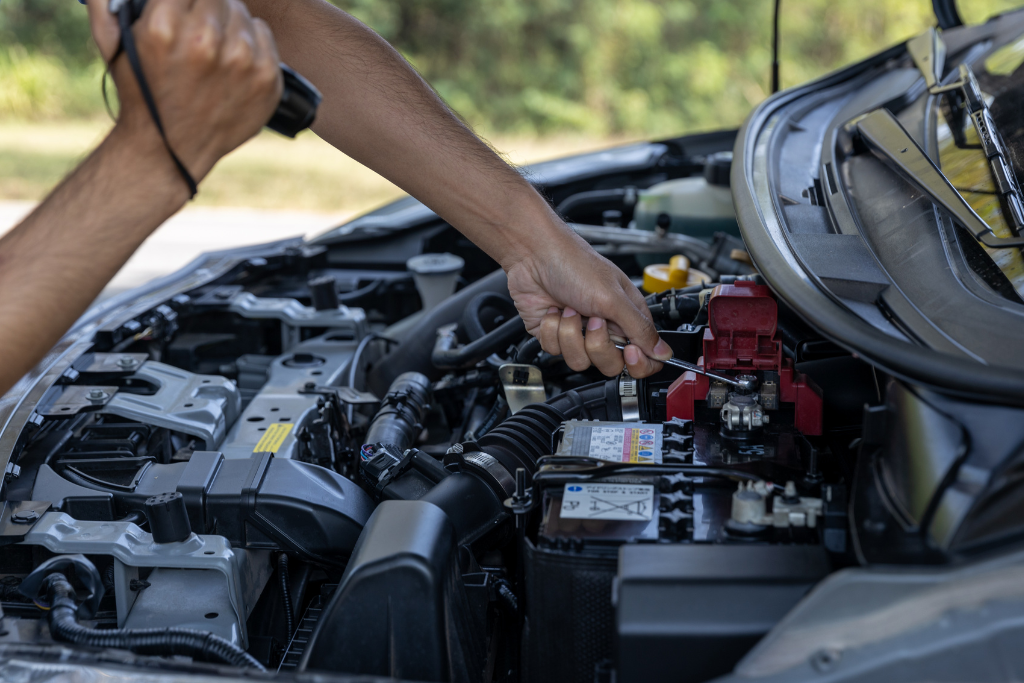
400, 417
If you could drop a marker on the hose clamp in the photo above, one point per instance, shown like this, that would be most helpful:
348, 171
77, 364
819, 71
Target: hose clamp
487, 465
629, 397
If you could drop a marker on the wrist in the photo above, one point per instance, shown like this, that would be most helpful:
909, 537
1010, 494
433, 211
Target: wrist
534, 233
137, 157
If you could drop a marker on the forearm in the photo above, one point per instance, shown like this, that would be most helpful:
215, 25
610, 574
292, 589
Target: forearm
380, 112
56, 261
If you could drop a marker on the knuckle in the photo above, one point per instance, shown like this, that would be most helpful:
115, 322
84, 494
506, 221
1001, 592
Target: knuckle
240, 57
202, 46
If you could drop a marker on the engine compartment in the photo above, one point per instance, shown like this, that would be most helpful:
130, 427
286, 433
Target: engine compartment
306, 458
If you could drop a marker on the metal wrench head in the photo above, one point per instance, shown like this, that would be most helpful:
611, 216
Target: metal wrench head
744, 382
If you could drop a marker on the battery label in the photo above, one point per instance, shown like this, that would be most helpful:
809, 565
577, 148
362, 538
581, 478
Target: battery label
626, 502
634, 442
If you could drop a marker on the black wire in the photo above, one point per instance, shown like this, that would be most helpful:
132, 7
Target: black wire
775, 48
600, 468
124, 18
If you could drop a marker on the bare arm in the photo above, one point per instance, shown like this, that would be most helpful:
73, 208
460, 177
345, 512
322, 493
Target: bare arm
380, 112
213, 72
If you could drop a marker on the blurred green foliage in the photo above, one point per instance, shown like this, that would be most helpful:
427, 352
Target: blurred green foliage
598, 67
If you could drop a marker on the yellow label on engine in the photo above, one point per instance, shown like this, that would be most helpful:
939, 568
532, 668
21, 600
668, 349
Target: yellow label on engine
273, 438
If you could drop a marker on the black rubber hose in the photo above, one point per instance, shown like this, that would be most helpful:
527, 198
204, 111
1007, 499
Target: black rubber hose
400, 417
201, 645
286, 596
445, 357
472, 317
597, 401
418, 340
528, 351
601, 198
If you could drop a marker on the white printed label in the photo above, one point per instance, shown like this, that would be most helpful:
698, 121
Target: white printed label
637, 444
626, 502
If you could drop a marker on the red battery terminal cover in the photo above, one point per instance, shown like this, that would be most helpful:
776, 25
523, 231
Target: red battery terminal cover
742, 336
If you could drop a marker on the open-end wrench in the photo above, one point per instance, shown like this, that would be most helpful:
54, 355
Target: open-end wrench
743, 382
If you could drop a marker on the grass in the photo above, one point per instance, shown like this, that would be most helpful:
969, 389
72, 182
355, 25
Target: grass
269, 172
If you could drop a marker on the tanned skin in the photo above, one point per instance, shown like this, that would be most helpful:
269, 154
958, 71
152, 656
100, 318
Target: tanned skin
213, 71
380, 112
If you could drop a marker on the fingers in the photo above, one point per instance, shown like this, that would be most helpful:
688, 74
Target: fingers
570, 340
638, 364
547, 332
601, 348
240, 50
104, 28
561, 333
205, 28
634, 318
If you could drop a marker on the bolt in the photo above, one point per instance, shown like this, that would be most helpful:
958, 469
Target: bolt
24, 516
97, 395
825, 660
520, 484
126, 362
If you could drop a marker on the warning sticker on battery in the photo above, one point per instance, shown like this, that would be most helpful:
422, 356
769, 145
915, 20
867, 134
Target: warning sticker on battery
627, 502
634, 442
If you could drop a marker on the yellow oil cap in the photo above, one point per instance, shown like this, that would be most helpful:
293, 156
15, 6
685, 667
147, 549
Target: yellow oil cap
675, 274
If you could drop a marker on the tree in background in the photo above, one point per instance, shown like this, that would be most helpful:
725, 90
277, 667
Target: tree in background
599, 67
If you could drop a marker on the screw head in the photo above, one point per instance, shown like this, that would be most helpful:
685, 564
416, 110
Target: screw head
96, 395
24, 516
126, 362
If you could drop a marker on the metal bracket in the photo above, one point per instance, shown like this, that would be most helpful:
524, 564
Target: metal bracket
76, 398
346, 395
110, 363
523, 385
126, 542
199, 405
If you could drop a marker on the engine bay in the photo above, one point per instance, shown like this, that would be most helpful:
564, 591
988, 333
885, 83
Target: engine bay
273, 466
346, 458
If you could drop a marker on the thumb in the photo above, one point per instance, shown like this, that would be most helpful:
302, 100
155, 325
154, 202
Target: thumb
105, 30
631, 315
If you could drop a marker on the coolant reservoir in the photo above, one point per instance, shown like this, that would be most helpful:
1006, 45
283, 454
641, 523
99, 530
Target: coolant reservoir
676, 274
698, 206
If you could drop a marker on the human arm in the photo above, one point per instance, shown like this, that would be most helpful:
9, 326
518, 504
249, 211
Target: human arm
213, 72
379, 111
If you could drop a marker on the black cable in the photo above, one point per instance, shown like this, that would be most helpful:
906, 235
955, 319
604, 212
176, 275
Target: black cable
528, 351
201, 645
286, 596
445, 357
775, 48
590, 468
124, 19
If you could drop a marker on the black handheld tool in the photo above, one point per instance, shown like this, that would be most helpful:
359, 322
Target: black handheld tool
295, 112
299, 99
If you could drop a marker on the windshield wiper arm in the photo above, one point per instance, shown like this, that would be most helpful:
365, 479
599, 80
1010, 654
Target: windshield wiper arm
884, 137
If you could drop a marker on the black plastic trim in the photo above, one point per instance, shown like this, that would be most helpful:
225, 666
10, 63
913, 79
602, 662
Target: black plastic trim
942, 372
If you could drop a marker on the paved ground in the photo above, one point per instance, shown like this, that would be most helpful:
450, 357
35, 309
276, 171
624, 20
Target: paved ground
194, 231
